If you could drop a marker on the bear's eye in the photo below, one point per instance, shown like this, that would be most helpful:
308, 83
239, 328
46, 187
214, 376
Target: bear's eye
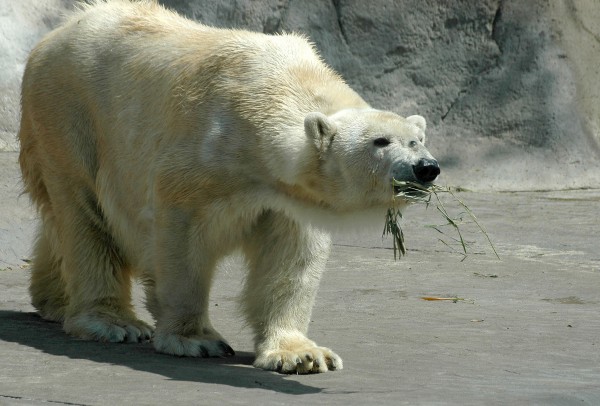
381, 142
412, 144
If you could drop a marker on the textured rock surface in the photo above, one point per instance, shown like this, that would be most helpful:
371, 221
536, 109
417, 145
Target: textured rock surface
509, 88
22, 24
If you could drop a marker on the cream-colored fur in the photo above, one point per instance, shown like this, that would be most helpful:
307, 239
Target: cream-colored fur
154, 146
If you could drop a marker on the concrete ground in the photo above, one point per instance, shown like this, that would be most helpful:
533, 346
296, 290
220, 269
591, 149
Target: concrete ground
524, 330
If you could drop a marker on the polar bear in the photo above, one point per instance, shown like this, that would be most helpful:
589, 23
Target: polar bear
154, 146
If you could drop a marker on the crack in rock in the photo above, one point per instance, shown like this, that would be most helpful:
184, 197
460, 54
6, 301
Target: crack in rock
495, 22
45, 401
572, 8
474, 79
338, 13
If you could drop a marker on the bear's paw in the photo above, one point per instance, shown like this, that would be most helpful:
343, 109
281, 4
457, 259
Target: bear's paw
192, 346
107, 328
301, 360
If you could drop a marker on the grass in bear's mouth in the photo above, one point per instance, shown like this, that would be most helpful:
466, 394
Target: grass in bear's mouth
430, 194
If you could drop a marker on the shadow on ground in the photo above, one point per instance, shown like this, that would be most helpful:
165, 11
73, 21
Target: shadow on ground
30, 330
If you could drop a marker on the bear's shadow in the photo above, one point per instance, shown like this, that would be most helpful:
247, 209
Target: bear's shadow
30, 330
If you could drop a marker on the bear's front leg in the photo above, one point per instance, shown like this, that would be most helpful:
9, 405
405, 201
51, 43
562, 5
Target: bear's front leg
286, 260
179, 295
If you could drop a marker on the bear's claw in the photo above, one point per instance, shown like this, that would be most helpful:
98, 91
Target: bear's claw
227, 350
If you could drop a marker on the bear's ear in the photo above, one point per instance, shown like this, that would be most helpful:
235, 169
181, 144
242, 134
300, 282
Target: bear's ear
420, 122
320, 129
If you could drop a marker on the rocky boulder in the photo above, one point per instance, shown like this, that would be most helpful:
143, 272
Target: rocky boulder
509, 88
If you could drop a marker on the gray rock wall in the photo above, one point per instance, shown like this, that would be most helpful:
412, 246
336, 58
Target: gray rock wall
509, 88
22, 24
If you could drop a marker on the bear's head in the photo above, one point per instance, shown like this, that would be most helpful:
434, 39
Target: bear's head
361, 152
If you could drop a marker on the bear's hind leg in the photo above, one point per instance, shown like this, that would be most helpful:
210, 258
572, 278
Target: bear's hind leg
98, 281
47, 287
285, 260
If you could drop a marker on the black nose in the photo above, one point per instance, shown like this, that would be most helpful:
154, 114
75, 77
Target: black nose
426, 170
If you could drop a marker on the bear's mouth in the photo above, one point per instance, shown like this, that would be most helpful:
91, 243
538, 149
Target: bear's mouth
412, 190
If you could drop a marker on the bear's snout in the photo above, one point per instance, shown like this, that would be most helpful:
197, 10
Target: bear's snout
426, 170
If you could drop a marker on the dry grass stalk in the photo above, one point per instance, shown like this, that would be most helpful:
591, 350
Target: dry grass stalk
417, 193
